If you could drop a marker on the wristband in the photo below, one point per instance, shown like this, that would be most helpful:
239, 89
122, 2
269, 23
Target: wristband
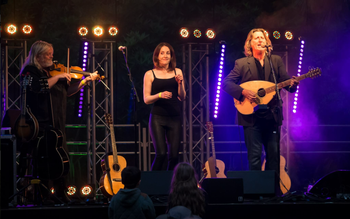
160, 95
83, 82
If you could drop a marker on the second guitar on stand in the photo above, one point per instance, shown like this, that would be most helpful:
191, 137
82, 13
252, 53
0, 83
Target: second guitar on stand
111, 181
214, 168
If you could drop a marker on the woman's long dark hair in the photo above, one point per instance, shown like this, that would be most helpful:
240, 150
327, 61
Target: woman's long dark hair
184, 190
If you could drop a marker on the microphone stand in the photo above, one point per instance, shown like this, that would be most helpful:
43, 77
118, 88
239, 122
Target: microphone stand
280, 102
135, 100
278, 111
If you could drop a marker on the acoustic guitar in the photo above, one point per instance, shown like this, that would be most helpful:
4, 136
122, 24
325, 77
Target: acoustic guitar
26, 126
265, 91
214, 168
285, 182
111, 180
53, 160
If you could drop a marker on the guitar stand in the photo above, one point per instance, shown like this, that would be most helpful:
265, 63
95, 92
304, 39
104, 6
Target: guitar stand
38, 199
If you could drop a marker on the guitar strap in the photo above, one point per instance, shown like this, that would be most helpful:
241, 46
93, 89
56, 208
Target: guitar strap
108, 170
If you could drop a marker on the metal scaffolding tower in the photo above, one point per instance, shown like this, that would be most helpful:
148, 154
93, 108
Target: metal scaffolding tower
196, 106
99, 103
13, 53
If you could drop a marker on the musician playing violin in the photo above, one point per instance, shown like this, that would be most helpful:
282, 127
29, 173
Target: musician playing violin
47, 97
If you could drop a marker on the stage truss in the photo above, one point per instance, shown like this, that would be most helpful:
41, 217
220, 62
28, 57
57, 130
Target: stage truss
196, 106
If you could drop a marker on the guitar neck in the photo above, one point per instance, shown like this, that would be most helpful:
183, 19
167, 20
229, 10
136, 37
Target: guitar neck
212, 145
24, 100
114, 147
286, 83
24, 103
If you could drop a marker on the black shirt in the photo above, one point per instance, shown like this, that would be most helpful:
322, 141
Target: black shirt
166, 107
261, 70
39, 100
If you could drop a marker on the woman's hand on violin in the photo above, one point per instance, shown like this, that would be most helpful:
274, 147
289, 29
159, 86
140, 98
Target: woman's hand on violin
93, 76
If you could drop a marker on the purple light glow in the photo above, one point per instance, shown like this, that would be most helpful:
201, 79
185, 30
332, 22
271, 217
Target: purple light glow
220, 74
295, 103
81, 99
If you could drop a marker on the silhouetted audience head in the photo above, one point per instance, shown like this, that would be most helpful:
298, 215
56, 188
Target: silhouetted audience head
131, 177
184, 190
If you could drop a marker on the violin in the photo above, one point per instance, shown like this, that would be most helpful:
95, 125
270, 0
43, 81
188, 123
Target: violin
75, 71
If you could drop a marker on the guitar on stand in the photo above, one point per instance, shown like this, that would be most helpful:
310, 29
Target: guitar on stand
112, 166
214, 168
285, 182
26, 126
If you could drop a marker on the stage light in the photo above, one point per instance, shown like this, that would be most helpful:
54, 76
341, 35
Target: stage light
184, 33
83, 31
98, 31
220, 76
276, 35
197, 33
86, 191
84, 64
266, 33
52, 190
71, 190
288, 35
210, 33
300, 62
27, 29
113, 31
11, 29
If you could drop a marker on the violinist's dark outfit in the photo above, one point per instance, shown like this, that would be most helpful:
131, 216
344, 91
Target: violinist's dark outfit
38, 100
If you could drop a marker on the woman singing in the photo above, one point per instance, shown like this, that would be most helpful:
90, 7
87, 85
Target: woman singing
163, 86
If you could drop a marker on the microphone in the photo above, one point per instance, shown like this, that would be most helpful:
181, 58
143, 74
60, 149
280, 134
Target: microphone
266, 46
121, 48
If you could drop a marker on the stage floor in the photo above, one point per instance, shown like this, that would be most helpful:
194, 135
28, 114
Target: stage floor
253, 209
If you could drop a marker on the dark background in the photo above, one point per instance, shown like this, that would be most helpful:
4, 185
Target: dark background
319, 130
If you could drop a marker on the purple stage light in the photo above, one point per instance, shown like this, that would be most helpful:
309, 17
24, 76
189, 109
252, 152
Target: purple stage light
85, 52
220, 74
301, 54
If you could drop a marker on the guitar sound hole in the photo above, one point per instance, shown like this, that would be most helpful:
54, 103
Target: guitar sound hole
261, 92
116, 167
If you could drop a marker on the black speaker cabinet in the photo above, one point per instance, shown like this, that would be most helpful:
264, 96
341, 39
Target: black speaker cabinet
223, 190
257, 184
334, 184
156, 183
8, 169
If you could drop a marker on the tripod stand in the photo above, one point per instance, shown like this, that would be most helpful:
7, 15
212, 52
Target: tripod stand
40, 192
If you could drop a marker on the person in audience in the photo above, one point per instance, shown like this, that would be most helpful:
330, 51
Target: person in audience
130, 202
186, 199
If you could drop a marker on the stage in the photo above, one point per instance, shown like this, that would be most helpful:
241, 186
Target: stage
290, 209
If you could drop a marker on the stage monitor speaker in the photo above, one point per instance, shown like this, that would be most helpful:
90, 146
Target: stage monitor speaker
334, 185
223, 190
156, 183
8, 169
257, 184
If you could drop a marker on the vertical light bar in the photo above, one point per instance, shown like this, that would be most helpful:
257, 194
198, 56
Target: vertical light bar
220, 76
81, 95
300, 62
